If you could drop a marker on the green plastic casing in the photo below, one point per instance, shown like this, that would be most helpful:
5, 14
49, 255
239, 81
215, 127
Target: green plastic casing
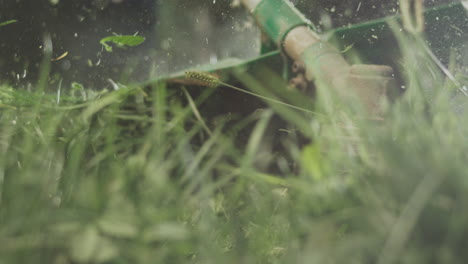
278, 17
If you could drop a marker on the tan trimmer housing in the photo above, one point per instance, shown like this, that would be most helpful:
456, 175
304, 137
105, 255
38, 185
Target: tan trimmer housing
326, 66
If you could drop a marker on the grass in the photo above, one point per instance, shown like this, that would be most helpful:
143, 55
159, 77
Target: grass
133, 176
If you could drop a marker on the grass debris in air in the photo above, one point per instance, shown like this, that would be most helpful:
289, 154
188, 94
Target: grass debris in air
142, 177
121, 41
4, 23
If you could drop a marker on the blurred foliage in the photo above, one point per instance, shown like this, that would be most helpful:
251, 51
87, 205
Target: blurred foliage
132, 175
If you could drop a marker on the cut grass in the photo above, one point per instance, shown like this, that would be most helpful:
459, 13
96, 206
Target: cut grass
135, 177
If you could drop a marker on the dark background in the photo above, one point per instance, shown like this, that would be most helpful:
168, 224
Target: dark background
74, 26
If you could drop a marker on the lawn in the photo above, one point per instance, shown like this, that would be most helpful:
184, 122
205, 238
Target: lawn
147, 174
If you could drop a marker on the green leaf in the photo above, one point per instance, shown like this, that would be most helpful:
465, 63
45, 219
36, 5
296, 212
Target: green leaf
121, 41
8, 22
77, 86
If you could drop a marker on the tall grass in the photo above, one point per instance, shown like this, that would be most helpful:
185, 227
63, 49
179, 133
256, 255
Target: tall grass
134, 176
